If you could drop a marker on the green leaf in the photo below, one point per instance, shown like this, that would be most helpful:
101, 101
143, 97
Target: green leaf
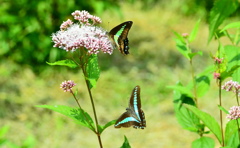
208, 120
220, 11
194, 32
181, 45
102, 128
223, 109
203, 84
233, 58
203, 142
230, 73
191, 55
80, 116
231, 25
231, 134
126, 143
67, 62
186, 118
183, 90
93, 71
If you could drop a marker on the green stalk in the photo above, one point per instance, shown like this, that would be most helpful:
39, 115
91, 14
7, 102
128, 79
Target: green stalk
220, 103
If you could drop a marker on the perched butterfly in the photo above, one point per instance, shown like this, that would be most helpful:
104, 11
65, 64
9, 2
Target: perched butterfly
119, 35
134, 116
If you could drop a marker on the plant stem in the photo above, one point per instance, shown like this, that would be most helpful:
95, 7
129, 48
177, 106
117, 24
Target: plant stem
84, 65
194, 84
84, 57
94, 112
220, 103
81, 109
237, 97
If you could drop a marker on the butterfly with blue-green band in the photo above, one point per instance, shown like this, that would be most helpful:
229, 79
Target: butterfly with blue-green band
118, 36
134, 116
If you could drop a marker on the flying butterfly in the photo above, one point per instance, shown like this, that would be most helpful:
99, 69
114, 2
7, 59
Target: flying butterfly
134, 116
119, 35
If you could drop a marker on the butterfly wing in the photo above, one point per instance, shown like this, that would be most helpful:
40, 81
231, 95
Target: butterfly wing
119, 36
134, 116
135, 106
126, 120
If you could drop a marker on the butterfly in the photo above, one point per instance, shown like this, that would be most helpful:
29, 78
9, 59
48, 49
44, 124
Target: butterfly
118, 36
134, 116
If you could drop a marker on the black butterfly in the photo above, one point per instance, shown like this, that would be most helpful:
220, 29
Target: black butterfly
119, 38
134, 116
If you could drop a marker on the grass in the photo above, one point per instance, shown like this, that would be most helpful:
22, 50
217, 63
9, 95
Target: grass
153, 64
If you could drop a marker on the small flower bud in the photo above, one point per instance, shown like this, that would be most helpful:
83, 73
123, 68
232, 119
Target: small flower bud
67, 85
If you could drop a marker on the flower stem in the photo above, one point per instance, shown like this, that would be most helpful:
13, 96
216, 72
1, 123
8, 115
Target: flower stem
237, 91
220, 103
194, 84
84, 57
84, 65
81, 109
94, 112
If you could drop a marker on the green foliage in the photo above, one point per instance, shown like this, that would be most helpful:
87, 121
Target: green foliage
221, 10
203, 142
226, 65
126, 143
93, 71
186, 119
80, 116
68, 63
208, 120
233, 58
233, 38
223, 109
194, 32
102, 128
202, 85
26, 27
183, 42
231, 134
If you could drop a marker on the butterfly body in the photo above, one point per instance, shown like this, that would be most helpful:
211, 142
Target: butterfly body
134, 116
119, 34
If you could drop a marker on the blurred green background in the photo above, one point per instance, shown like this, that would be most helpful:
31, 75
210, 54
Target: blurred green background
154, 63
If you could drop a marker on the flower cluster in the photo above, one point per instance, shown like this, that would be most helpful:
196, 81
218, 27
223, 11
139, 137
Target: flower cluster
218, 60
234, 113
216, 75
73, 36
66, 24
231, 86
67, 85
185, 35
84, 17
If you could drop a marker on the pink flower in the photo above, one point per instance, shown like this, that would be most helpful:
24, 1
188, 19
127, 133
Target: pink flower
67, 85
73, 36
216, 75
231, 86
218, 60
234, 113
185, 35
66, 24
84, 17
